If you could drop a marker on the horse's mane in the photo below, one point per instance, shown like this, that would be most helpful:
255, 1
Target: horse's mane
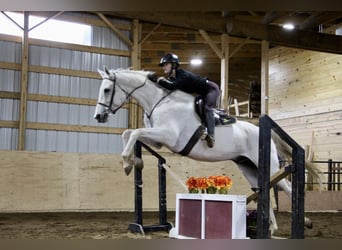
130, 70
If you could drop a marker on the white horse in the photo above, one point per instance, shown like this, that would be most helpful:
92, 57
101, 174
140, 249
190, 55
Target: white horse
170, 121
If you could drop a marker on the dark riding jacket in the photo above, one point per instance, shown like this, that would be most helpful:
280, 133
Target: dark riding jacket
191, 83
186, 81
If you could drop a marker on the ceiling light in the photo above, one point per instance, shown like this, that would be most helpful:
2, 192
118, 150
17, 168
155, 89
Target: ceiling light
196, 62
288, 26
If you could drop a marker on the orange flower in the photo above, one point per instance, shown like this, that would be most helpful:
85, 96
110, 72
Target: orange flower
192, 183
223, 182
202, 183
212, 183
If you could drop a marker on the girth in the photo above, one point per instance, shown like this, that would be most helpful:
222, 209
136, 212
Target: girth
193, 140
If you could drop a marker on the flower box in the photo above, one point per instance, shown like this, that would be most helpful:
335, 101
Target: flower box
210, 216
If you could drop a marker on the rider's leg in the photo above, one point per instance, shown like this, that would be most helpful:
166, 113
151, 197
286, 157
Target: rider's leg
210, 123
210, 104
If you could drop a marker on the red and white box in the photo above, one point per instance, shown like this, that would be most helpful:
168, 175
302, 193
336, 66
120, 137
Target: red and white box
210, 216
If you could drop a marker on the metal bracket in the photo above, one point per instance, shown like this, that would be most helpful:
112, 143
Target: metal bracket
290, 168
256, 189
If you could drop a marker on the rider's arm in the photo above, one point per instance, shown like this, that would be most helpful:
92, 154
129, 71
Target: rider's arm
168, 84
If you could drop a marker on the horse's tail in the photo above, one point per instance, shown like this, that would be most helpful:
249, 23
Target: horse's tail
285, 154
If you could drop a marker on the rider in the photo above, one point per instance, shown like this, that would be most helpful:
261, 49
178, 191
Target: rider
186, 81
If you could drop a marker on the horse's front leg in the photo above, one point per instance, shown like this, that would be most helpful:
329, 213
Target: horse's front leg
128, 157
131, 136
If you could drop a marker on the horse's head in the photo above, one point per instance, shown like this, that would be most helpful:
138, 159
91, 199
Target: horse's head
111, 96
118, 86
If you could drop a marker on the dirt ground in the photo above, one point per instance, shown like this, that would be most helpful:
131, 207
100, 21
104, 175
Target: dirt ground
114, 225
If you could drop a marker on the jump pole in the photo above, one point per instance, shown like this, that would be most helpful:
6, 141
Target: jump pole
297, 170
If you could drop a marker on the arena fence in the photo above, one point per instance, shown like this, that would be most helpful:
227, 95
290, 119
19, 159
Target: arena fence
333, 174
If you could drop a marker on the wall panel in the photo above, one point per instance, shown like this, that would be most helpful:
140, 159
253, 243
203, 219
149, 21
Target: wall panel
45, 78
305, 98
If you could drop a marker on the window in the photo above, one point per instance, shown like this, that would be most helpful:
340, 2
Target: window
52, 30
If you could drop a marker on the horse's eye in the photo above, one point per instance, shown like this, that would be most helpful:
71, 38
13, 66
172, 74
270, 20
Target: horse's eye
106, 91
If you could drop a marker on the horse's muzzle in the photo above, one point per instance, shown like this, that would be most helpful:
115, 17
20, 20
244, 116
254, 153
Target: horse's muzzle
102, 118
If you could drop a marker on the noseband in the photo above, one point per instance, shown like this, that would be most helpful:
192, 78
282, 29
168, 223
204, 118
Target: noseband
128, 95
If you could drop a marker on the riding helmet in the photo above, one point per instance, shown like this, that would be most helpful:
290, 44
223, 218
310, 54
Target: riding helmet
169, 58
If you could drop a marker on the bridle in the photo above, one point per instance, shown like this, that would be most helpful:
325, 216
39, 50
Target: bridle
128, 95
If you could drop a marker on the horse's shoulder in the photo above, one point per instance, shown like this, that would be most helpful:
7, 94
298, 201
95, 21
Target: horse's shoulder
180, 95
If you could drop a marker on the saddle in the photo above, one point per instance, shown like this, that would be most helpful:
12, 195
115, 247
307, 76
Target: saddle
221, 116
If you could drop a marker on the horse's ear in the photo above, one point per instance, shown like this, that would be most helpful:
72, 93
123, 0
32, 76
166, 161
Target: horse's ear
102, 73
110, 74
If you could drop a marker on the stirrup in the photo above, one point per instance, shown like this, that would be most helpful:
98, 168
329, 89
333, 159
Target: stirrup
204, 135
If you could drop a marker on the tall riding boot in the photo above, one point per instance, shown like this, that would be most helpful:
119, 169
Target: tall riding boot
210, 122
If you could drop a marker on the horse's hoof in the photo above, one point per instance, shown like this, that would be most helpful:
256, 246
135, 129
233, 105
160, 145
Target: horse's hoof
138, 163
308, 224
128, 169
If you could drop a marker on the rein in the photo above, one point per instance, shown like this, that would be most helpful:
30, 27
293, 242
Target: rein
128, 95
155, 105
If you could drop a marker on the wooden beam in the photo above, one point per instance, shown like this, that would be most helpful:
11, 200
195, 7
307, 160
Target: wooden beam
78, 47
318, 18
239, 47
51, 70
70, 46
270, 16
13, 21
23, 85
52, 99
10, 65
74, 17
189, 20
235, 27
116, 30
310, 21
279, 36
47, 19
149, 34
63, 127
65, 72
211, 44
282, 173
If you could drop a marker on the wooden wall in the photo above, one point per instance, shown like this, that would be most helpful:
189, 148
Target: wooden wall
314, 201
52, 181
305, 98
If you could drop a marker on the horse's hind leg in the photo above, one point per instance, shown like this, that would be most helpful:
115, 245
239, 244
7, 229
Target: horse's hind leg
285, 185
272, 220
250, 171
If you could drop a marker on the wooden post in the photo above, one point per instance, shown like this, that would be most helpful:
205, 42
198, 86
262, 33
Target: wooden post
264, 77
236, 104
224, 71
23, 88
223, 55
135, 59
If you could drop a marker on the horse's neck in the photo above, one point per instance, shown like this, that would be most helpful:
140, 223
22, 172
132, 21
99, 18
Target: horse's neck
148, 96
